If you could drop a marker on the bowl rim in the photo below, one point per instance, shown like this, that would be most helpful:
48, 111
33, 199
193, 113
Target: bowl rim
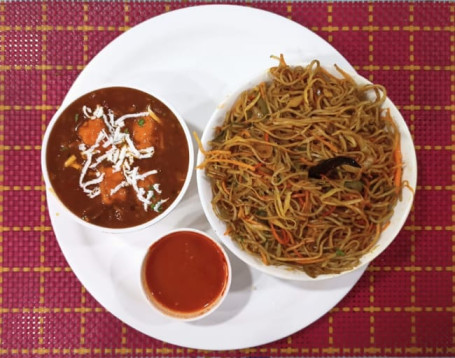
219, 300
105, 229
283, 272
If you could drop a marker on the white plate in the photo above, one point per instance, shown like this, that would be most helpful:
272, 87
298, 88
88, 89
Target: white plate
193, 58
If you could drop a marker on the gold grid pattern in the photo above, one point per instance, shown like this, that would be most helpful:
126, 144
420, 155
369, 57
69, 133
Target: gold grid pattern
2, 157
452, 99
413, 227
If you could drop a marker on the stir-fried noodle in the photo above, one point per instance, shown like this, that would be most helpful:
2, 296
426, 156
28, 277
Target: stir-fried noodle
259, 163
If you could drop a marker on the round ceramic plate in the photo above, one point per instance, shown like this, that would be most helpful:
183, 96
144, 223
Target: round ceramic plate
193, 58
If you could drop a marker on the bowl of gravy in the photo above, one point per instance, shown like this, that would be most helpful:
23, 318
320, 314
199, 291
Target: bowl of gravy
117, 158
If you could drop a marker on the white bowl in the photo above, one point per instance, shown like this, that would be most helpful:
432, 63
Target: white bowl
203, 312
398, 219
162, 215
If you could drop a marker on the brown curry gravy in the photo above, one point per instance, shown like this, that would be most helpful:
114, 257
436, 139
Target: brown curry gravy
170, 159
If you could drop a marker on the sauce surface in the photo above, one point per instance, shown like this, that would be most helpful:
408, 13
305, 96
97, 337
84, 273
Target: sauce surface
150, 139
185, 272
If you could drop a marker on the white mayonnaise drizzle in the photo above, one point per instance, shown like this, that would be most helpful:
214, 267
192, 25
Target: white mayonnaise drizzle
121, 155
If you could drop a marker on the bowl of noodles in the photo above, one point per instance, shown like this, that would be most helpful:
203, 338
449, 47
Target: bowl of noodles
307, 172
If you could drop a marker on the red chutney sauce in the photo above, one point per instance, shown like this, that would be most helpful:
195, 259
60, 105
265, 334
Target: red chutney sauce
184, 273
117, 157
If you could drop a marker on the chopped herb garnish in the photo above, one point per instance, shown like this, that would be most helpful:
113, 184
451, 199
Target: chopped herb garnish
63, 148
340, 252
156, 207
141, 122
76, 117
126, 131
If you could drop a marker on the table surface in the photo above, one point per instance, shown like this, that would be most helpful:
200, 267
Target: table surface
405, 302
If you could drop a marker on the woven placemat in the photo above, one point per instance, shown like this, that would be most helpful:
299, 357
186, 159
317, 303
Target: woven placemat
402, 306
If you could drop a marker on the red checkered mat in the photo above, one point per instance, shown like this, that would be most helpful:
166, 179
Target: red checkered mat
403, 305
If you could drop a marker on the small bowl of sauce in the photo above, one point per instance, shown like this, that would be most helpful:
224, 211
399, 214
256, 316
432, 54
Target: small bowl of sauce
186, 274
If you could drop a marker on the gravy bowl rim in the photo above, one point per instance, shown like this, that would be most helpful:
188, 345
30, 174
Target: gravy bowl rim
104, 229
